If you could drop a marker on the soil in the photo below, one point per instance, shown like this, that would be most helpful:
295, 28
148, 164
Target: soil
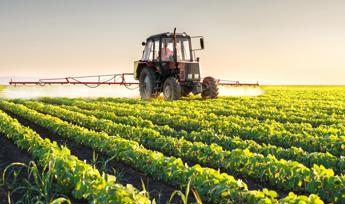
158, 190
3, 195
9, 153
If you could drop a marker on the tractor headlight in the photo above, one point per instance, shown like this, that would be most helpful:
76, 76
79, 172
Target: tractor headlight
190, 76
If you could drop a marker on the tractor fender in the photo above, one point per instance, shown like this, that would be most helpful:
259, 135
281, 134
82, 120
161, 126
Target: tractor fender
136, 69
138, 66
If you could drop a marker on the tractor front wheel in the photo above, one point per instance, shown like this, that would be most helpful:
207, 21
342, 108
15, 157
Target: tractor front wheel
171, 89
210, 89
147, 84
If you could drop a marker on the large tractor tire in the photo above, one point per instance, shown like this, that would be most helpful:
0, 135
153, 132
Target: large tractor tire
171, 89
210, 89
147, 84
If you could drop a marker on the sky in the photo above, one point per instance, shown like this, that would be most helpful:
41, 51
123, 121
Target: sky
269, 41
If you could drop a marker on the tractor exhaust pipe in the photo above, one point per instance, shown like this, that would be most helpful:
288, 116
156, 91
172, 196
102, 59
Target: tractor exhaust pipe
175, 51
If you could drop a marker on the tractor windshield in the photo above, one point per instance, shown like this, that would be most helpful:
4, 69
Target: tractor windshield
182, 49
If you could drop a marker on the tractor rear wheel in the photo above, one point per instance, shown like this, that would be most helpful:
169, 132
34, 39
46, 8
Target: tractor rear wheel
210, 89
171, 89
147, 84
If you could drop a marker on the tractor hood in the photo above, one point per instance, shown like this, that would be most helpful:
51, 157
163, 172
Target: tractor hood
189, 71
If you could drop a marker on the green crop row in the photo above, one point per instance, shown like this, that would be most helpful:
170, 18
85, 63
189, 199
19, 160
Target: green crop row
190, 111
71, 174
287, 175
268, 131
262, 133
254, 110
317, 98
211, 185
228, 143
250, 115
281, 111
293, 116
321, 111
284, 121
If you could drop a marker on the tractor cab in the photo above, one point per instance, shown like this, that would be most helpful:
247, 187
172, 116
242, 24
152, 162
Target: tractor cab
168, 65
161, 48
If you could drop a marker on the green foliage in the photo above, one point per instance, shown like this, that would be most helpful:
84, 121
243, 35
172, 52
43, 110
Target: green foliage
287, 175
208, 183
37, 188
169, 169
208, 136
184, 196
292, 138
71, 174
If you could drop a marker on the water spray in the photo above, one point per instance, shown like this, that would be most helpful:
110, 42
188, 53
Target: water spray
240, 91
70, 91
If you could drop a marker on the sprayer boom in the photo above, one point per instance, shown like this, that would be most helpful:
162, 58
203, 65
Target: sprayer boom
109, 79
90, 81
235, 83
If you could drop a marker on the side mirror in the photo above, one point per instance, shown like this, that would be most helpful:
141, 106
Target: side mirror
143, 43
202, 43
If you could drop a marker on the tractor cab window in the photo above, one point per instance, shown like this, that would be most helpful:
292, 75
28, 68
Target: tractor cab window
148, 52
183, 49
167, 49
156, 50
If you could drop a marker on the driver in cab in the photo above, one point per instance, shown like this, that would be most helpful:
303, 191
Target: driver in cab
166, 53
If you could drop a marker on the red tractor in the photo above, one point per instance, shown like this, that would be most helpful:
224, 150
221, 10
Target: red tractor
169, 65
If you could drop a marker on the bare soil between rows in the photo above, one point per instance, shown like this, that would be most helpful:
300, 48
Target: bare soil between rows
9, 153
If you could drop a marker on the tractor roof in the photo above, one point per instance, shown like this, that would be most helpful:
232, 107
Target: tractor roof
168, 34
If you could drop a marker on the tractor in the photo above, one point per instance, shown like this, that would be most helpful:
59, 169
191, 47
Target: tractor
168, 65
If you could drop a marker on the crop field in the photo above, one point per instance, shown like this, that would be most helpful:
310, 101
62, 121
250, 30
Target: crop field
284, 146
